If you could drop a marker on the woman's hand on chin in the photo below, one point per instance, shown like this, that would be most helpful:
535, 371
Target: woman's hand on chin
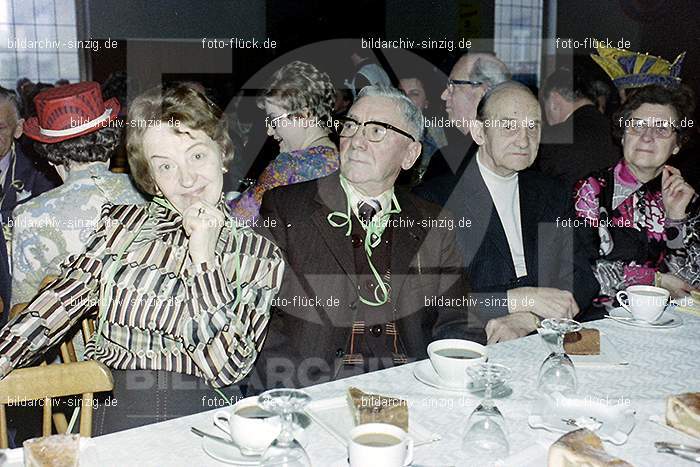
202, 223
676, 193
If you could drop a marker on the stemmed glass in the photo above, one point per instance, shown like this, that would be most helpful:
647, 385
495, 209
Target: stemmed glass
557, 373
285, 451
485, 437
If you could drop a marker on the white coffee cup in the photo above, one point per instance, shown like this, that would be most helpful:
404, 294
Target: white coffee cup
450, 369
252, 435
379, 444
644, 302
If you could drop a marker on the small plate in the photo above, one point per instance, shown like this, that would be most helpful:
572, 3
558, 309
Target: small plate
228, 453
661, 421
426, 374
625, 317
609, 355
617, 420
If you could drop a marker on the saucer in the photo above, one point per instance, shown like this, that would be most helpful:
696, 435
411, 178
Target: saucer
622, 316
426, 374
228, 453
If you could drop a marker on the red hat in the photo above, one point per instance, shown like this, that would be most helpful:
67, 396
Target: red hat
70, 111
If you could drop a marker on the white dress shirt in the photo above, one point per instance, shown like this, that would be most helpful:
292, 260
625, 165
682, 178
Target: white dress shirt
505, 194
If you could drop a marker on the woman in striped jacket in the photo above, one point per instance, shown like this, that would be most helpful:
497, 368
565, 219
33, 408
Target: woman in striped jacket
182, 294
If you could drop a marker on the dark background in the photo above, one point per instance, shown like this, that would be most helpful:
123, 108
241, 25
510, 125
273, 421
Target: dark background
160, 40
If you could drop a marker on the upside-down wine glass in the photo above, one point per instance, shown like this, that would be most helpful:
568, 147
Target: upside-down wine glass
285, 451
485, 438
557, 373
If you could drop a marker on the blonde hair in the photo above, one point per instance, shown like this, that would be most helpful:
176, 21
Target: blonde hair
182, 104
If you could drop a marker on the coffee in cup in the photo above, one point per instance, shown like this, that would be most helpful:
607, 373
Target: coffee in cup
250, 427
451, 357
644, 302
379, 444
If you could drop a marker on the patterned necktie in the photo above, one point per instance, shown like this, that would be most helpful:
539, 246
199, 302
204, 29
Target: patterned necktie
367, 209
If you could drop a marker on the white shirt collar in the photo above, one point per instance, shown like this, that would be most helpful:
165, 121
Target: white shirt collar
486, 172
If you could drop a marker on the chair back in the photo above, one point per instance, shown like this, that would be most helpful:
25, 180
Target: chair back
43, 383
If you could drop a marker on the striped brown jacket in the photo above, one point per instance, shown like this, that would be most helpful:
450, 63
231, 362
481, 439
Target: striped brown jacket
161, 312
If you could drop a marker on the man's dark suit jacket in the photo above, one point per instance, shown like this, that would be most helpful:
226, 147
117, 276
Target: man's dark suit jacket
554, 254
31, 179
452, 159
305, 344
577, 147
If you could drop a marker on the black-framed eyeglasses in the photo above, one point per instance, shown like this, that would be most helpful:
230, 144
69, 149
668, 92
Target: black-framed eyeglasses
374, 131
451, 83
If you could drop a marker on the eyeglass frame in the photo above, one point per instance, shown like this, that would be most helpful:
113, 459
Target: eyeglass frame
272, 123
633, 130
451, 83
384, 125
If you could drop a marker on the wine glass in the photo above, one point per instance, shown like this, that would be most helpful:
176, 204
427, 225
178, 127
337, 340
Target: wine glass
285, 451
485, 438
557, 373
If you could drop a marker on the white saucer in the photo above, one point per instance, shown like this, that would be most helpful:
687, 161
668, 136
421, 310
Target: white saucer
425, 373
227, 453
625, 316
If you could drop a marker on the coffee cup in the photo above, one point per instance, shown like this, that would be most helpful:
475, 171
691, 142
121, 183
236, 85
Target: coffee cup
644, 302
250, 427
451, 357
379, 444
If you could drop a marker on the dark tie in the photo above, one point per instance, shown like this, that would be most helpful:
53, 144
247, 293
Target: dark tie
367, 209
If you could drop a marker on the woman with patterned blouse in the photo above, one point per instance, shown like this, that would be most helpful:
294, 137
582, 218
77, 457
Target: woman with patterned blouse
182, 293
640, 213
298, 102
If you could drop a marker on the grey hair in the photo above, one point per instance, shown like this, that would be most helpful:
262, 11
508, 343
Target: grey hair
490, 71
10, 96
408, 109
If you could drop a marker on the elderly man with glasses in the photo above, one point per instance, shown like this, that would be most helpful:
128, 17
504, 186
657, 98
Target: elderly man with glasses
373, 273
470, 78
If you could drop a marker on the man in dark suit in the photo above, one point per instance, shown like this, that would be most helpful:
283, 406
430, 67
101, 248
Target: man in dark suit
373, 274
579, 140
524, 263
471, 76
21, 178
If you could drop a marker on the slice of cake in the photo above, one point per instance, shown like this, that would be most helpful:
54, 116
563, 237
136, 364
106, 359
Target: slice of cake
583, 342
581, 448
373, 408
683, 413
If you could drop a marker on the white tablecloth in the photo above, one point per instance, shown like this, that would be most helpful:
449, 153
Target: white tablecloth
661, 362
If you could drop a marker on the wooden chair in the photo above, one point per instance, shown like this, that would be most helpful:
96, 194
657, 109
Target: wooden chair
49, 381
67, 351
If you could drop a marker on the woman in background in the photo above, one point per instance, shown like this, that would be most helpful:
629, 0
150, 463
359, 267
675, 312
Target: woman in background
298, 103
